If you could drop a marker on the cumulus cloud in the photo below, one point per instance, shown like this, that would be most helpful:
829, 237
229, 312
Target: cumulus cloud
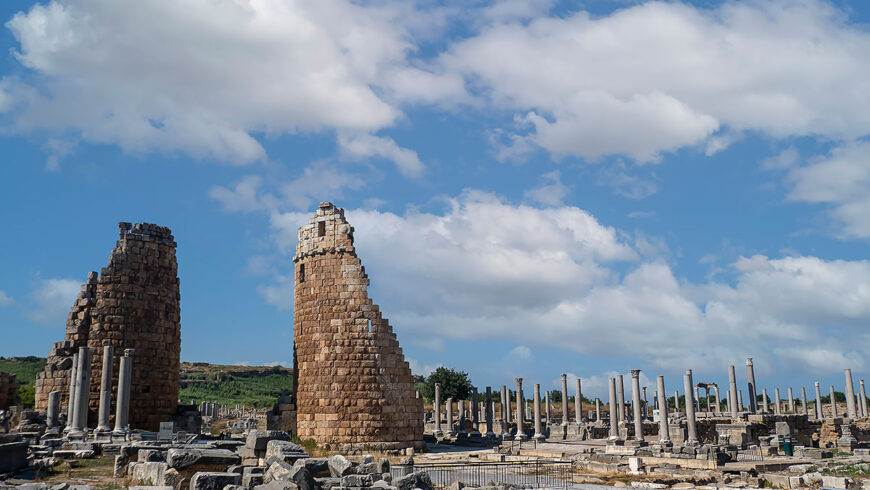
244, 196
5, 300
555, 277
655, 77
839, 180
51, 299
364, 146
551, 191
208, 77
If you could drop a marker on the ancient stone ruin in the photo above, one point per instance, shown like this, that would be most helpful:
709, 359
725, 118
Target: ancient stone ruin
132, 304
8, 390
353, 386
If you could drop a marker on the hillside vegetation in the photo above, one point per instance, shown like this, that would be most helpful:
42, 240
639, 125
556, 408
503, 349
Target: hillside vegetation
257, 386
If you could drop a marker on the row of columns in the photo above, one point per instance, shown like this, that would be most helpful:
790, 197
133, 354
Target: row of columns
79, 394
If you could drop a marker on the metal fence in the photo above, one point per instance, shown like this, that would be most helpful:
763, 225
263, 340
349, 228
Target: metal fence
529, 474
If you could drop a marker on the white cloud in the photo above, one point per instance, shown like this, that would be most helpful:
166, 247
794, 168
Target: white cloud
555, 278
840, 180
551, 192
360, 146
5, 300
206, 77
659, 76
520, 352
244, 196
420, 369
51, 300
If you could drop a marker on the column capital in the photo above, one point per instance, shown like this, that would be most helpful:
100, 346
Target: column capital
564, 376
748, 361
635, 373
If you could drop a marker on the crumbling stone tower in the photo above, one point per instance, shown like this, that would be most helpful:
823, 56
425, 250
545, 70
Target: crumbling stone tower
353, 386
134, 303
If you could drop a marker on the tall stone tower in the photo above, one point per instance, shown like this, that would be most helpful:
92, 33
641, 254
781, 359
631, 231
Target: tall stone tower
134, 303
353, 385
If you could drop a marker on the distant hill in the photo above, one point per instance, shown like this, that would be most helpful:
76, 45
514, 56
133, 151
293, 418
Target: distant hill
257, 386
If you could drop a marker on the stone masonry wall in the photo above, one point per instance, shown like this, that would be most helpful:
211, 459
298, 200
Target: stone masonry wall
133, 304
8, 391
353, 386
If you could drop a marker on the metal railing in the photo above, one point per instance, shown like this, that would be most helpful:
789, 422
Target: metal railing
526, 474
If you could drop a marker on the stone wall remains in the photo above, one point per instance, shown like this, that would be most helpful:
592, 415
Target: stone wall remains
8, 391
353, 386
134, 303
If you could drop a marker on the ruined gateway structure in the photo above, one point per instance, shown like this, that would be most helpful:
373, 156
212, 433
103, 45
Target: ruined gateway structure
132, 304
353, 386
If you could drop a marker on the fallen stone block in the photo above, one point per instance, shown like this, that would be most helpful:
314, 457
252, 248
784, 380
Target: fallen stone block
213, 480
180, 458
317, 466
304, 480
417, 479
152, 456
285, 450
257, 439
339, 466
13, 456
357, 481
279, 470
835, 481
277, 485
148, 474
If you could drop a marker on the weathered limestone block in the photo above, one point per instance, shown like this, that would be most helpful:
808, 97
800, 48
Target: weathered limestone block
285, 450
258, 439
181, 458
317, 466
148, 473
13, 456
418, 479
213, 480
339, 466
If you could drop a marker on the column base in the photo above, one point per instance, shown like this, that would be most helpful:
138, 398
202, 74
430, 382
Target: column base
538, 437
521, 436
438, 433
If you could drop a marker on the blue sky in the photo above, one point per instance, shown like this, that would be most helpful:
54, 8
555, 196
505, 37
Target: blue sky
537, 187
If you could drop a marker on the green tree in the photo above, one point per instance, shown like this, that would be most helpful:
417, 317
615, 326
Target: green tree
454, 384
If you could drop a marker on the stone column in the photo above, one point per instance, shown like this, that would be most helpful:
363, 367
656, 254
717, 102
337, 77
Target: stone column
505, 408
863, 400
764, 405
475, 413
664, 435
614, 413
539, 436
489, 412
578, 401
635, 405
106, 390
790, 400
564, 399
732, 389
598, 409
449, 420
438, 431
620, 398
697, 398
750, 392
122, 404
510, 412
463, 423
740, 404
850, 396
547, 406
521, 435
690, 409
676, 401
819, 411
833, 403
83, 392
73, 383
51, 412
776, 408
716, 407
804, 407
643, 407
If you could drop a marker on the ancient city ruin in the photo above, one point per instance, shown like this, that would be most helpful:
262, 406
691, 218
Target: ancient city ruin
134, 303
354, 386
110, 388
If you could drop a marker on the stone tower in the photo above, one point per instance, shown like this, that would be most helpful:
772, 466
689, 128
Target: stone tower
134, 303
353, 386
